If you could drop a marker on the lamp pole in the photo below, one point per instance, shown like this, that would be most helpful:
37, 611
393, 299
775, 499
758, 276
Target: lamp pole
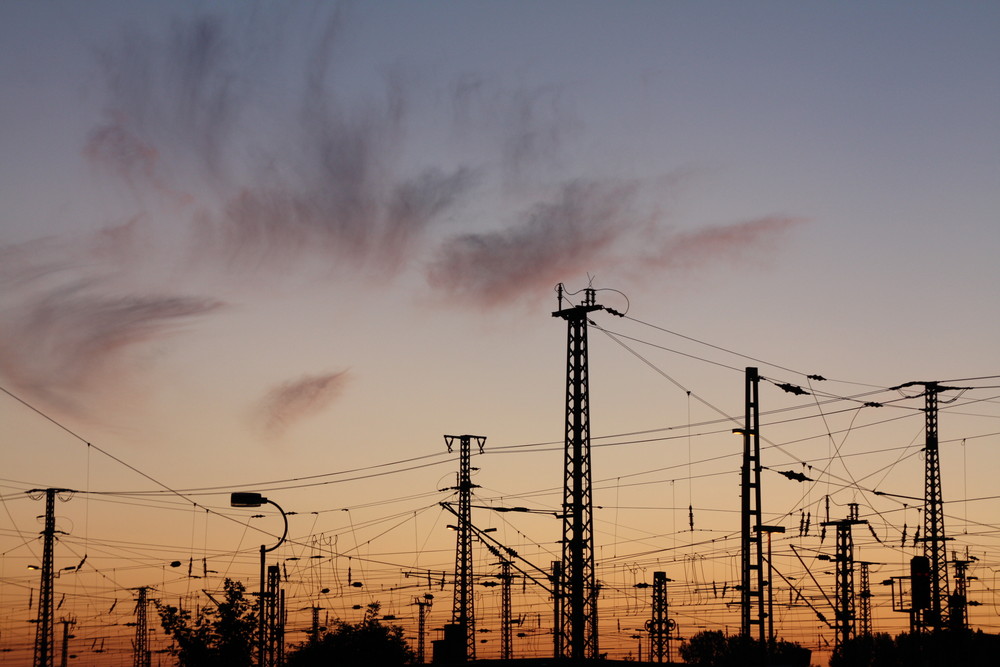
249, 499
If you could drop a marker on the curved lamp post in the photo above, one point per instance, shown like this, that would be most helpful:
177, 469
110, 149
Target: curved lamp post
250, 499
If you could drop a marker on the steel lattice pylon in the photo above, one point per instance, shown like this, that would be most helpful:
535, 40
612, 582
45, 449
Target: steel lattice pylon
935, 616
463, 613
659, 629
274, 638
44, 632
578, 607
958, 611
423, 606
140, 651
846, 611
934, 538
865, 606
751, 533
506, 612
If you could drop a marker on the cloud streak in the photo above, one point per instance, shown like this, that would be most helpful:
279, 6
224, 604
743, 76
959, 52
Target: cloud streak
67, 330
178, 95
294, 400
273, 225
579, 228
734, 242
529, 126
325, 175
588, 227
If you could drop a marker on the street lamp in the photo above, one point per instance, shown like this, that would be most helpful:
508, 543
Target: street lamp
250, 499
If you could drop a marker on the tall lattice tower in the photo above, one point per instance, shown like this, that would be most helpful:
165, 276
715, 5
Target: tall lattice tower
45, 630
846, 609
463, 614
934, 538
423, 608
658, 625
140, 648
958, 602
865, 604
506, 611
274, 618
935, 548
752, 602
578, 608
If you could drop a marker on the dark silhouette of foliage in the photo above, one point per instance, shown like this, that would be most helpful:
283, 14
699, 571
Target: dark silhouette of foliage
918, 650
791, 654
712, 648
705, 648
368, 642
878, 650
218, 635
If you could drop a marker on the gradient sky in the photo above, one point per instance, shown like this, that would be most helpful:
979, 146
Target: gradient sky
242, 243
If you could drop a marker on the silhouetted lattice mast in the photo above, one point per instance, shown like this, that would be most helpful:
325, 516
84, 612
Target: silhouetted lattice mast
506, 611
274, 618
462, 613
578, 607
958, 603
44, 632
141, 656
934, 538
846, 610
865, 604
751, 533
423, 608
935, 547
659, 624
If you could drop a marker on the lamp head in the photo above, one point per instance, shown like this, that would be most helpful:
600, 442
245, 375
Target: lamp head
246, 499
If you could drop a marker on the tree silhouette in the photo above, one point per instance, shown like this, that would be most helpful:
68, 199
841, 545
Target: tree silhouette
220, 635
712, 648
877, 650
927, 649
368, 642
705, 648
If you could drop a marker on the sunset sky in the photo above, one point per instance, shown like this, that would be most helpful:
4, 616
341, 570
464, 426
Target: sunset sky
247, 246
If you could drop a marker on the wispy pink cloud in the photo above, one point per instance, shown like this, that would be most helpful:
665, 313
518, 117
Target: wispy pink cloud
115, 148
174, 95
291, 401
334, 186
590, 227
700, 247
577, 231
67, 328
355, 224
